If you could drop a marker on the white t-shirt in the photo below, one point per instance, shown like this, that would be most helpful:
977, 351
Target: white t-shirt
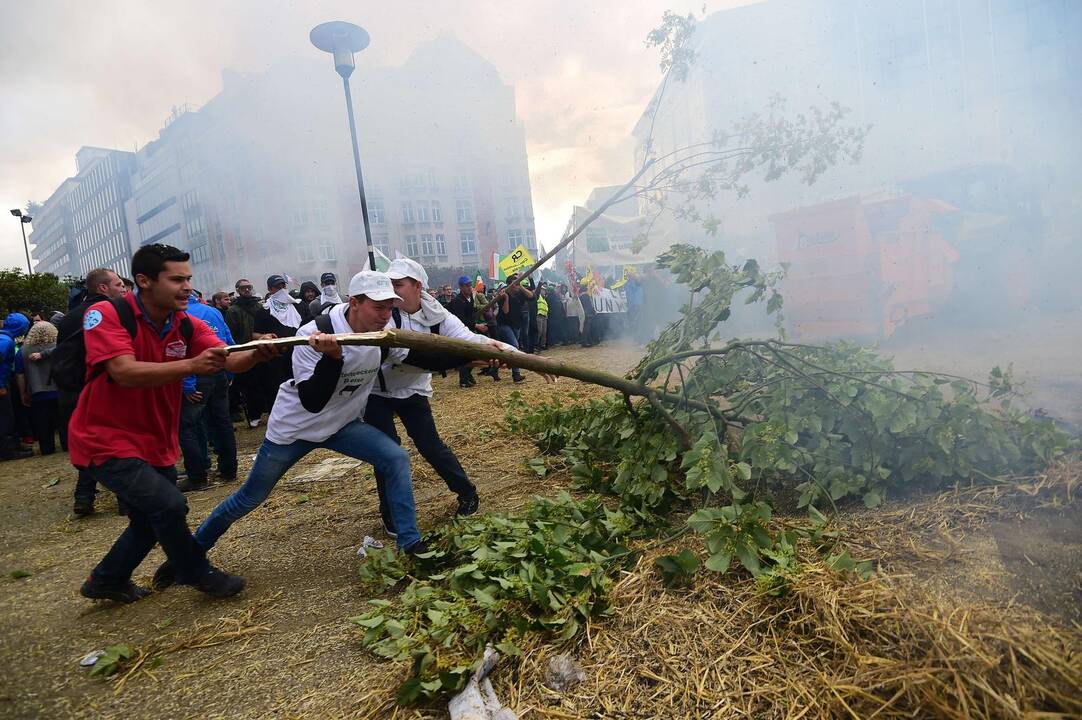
290, 421
403, 381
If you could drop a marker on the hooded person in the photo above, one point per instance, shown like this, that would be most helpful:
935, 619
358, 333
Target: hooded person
256, 386
328, 295
15, 326
309, 294
403, 392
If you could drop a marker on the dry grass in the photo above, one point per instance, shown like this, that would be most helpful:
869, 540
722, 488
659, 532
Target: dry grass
831, 647
913, 641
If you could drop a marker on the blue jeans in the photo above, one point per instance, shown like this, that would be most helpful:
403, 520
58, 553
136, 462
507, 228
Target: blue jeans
195, 417
156, 514
507, 334
357, 440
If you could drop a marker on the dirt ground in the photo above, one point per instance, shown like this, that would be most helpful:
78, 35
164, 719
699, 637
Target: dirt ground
284, 648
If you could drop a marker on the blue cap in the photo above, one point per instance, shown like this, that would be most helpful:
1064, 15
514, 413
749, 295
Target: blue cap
275, 280
464, 280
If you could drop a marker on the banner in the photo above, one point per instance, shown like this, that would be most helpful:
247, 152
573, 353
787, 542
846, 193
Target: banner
519, 259
606, 301
382, 261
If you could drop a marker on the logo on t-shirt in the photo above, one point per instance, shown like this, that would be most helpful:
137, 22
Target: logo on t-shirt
91, 320
176, 350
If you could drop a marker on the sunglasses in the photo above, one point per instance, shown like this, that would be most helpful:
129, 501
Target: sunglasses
245, 287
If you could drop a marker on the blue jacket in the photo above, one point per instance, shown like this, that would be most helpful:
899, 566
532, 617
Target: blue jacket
15, 325
213, 317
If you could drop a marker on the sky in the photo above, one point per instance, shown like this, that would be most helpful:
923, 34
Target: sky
108, 73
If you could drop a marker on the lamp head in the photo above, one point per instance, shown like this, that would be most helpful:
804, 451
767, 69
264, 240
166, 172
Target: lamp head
341, 39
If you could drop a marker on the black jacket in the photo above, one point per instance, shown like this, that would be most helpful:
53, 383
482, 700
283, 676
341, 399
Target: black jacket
73, 321
462, 308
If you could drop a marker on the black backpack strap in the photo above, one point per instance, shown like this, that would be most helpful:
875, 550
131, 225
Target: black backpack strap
323, 324
397, 315
435, 329
384, 352
125, 314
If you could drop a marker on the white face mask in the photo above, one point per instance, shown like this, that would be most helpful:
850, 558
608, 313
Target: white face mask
330, 294
281, 306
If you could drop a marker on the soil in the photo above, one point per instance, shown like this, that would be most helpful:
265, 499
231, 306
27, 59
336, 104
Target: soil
284, 647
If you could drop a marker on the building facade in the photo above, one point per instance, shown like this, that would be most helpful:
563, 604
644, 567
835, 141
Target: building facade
260, 180
82, 225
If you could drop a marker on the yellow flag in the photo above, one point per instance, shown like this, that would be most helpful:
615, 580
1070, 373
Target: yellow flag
519, 259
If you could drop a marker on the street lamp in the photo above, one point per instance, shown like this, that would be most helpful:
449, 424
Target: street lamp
23, 220
342, 39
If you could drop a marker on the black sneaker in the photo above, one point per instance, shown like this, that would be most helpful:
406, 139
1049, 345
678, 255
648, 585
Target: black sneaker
128, 593
418, 548
519, 378
188, 485
468, 505
223, 478
164, 577
219, 584
83, 507
388, 527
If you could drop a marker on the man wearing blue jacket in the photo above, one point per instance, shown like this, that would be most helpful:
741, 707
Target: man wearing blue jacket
15, 326
206, 406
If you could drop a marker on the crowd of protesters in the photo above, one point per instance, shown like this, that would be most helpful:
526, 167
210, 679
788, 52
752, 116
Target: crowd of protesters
133, 374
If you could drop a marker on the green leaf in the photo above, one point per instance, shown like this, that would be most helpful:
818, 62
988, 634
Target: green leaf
20, 574
749, 558
719, 562
743, 470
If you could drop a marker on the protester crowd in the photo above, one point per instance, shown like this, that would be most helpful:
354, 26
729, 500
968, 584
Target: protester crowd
132, 375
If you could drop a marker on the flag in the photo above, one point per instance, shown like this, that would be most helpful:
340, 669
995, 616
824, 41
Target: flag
494, 270
382, 261
519, 259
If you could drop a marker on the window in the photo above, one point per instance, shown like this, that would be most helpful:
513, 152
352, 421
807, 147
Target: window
305, 253
427, 249
514, 238
196, 226
422, 212
437, 213
320, 212
465, 210
190, 200
407, 212
462, 181
375, 212
382, 243
531, 241
441, 245
200, 254
326, 251
411, 246
511, 208
430, 177
298, 216
468, 243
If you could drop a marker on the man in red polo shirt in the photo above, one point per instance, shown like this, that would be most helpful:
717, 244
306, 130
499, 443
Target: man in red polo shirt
124, 431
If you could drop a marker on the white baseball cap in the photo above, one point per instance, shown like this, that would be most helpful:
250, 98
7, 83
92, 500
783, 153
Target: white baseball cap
371, 284
406, 268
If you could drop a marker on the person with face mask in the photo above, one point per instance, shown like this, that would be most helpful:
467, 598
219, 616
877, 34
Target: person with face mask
279, 318
405, 393
328, 295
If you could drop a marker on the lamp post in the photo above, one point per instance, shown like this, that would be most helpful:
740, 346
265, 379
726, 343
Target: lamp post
342, 39
23, 220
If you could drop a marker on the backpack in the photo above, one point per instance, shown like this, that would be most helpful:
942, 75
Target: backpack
324, 325
69, 359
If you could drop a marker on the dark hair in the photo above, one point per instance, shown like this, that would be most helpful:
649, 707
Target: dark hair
150, 260
128, 283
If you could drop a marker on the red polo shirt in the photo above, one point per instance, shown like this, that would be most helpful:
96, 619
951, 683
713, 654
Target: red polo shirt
112, 421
